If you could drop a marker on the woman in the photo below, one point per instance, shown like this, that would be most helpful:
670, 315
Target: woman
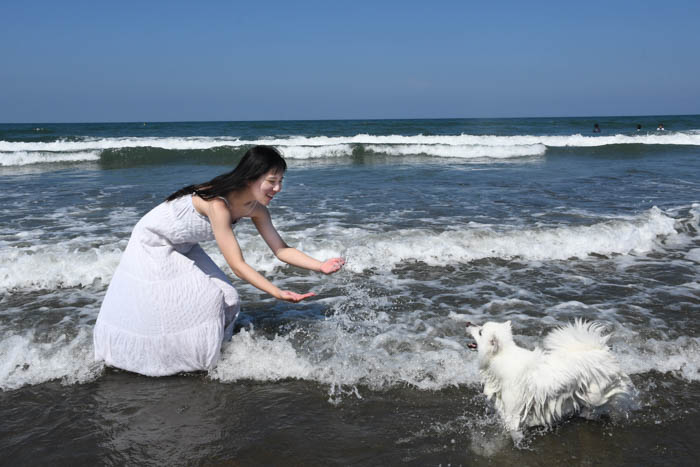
168, 306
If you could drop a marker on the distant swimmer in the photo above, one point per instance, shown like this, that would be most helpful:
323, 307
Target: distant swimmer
596, 128
660, 127
639, 127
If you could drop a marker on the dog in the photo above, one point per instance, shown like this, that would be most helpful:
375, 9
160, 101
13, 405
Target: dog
574, 373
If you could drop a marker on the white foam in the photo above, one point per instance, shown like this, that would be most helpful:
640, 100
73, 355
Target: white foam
354, 347
679, 356
693, 255
342, 357
460, 151
316, 152
190, 143
250, 357
621, 237
370, 350
306, 147
379, 352
93, 144
19, 158
577, 140
78, 263
55, 265
26, 361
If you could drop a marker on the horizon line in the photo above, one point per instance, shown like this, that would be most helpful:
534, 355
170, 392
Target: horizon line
340, 119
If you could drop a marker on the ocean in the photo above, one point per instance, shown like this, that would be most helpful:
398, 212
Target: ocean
534, 220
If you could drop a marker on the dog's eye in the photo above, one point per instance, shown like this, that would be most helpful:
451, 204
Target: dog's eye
480, 331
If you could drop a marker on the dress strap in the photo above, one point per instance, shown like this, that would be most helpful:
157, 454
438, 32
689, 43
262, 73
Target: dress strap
255, 203
225, 201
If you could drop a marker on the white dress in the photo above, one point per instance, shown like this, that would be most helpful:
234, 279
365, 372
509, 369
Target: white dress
168, 307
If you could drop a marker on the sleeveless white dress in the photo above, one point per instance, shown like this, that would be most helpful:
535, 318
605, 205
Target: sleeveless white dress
169, 306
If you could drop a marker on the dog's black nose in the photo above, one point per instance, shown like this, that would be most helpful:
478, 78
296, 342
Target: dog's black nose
472, 345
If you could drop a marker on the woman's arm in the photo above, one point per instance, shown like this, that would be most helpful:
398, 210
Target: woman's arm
263, 222
220, 219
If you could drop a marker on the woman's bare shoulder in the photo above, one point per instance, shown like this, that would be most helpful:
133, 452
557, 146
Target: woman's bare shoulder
215, 207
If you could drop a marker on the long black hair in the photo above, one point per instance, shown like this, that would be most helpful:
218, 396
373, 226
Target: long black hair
256, 162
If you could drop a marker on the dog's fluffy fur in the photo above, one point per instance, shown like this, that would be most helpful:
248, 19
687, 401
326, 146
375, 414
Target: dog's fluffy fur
574, 372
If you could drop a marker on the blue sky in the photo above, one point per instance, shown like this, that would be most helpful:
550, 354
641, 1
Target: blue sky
267, 60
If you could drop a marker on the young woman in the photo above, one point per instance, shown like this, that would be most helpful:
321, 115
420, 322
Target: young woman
169, 307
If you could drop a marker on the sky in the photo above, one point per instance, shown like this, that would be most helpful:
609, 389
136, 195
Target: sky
93, 61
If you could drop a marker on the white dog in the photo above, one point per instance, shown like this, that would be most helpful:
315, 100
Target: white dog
574, 373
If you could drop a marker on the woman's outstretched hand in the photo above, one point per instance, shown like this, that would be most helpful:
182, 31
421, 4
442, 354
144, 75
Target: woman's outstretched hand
294, 297
332, 265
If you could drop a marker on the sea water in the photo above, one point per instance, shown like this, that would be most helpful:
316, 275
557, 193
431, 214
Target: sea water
537, 221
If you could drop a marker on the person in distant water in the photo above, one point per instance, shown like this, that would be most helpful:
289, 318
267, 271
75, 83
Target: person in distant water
169, 307
639, 127
596, 128
660, 127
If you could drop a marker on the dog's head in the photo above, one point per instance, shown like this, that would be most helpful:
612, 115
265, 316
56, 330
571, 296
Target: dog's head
490, 338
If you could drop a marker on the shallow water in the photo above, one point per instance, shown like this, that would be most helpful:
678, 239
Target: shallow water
190, 420
442, 222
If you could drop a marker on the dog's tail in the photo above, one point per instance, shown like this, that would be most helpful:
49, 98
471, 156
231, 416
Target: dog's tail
579, 336
597, 372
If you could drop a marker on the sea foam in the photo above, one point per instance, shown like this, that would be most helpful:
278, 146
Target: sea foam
56, 265
615, 237
343, 352
460, 151
463, 146
27, 361
380, 353
39, 157
68, 264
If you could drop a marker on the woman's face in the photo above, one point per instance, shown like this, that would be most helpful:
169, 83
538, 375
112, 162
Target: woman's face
267, 186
